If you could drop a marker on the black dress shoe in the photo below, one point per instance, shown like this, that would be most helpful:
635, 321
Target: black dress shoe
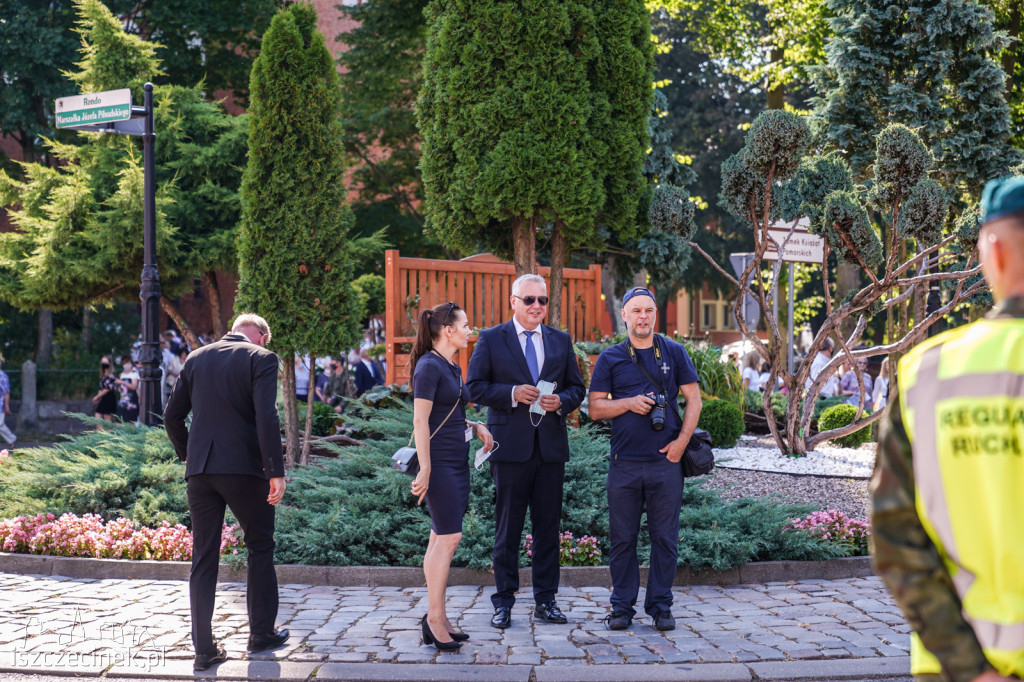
502, 617
549, 613
204, 661
264, 642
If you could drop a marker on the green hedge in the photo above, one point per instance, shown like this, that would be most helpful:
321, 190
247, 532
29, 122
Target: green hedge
356, 511
723, 420
838, 416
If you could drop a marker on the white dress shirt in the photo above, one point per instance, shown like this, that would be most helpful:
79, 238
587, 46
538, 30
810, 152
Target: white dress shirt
538, 345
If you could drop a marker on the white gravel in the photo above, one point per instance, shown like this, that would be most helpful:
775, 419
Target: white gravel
759, 453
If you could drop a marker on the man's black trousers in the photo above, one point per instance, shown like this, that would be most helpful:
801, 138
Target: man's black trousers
633, 486
538, 485
246, 496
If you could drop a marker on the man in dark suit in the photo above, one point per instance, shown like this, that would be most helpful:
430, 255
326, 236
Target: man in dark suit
232, 455
367, 373
529, 468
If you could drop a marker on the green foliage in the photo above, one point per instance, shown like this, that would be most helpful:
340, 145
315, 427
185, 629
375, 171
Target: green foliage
723, 419
742, 193
838, 416
816, 178
294, 251
535, 117
849, 230
324, 418
372, 287
776, 141
930, 67
201, 41
382, 72
118, 470
901, 161
924, 213
80, 218
718, 379
33, 75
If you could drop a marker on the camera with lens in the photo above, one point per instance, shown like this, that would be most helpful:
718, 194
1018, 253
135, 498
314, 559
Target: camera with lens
658, 412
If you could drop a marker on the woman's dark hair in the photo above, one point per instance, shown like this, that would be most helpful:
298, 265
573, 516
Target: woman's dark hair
431, 322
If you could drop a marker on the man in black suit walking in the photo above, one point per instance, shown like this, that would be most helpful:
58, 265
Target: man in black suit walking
529, 468
232, 455
367, 373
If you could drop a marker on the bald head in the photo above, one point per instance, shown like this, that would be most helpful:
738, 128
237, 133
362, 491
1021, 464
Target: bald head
1001, 250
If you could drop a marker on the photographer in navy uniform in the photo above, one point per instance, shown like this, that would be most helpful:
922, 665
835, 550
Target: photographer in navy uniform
636, 385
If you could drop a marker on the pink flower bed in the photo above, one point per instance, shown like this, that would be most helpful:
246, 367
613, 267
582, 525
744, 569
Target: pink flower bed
585, 551
89, 536
836, 527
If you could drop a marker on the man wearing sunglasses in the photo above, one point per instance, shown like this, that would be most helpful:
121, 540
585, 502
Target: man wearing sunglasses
507, 363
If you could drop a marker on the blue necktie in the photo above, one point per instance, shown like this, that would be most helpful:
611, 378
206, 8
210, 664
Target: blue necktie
531, 356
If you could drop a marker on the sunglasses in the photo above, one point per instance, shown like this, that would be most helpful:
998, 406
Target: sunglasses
530, 300
451, 307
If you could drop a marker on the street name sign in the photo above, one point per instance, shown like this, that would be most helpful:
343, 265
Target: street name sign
94, 108
802, 247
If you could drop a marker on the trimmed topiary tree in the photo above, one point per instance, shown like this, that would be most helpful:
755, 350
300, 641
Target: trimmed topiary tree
723, 419
838, 416
294, 248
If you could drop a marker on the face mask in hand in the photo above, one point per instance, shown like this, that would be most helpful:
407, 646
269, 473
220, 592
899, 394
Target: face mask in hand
482, 456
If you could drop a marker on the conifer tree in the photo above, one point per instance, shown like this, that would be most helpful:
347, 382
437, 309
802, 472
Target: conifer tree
79, 237
519, 135
295, 255
930, 65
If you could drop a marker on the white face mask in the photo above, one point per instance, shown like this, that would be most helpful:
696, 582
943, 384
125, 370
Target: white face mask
127, 368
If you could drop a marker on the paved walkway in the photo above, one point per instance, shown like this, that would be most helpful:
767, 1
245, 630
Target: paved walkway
812, 629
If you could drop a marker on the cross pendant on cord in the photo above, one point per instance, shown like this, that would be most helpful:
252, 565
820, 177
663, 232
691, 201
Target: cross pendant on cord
665, 368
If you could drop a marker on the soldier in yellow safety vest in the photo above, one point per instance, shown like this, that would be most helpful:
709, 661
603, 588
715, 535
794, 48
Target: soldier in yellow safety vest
948, 488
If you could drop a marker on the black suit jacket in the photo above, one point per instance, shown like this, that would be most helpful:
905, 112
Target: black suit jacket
231, 389
365, 380
497, 365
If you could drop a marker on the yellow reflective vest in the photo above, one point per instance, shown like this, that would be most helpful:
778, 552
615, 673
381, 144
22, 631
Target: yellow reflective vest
963, 408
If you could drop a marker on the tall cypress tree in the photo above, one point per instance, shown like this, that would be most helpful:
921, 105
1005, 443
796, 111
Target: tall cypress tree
931, 65
295, 254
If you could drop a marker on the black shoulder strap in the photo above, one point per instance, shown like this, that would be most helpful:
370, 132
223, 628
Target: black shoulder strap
654, 382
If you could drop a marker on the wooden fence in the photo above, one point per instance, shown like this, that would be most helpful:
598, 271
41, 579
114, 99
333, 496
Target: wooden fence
480, 285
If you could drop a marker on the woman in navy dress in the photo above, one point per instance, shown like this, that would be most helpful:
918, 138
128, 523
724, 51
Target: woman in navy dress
442, 437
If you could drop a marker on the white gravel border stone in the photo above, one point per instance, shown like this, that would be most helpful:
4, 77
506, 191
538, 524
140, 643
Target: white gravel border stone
826, 460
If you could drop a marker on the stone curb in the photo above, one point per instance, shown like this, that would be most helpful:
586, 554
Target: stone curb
405, 576
788, 671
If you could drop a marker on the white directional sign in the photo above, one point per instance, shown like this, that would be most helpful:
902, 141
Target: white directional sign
802, 247
98, 107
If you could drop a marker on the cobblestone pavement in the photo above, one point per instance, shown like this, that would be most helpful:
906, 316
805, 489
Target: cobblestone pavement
811, 629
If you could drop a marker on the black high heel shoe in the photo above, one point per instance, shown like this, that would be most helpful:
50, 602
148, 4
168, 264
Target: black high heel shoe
459, 636
428, 638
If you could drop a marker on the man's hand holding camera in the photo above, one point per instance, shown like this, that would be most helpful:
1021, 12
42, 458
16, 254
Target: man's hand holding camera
641, 404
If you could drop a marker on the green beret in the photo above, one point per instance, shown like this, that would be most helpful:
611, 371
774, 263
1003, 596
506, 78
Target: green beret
1002, 197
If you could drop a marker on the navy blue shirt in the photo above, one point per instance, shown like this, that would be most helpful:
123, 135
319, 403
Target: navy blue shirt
632, 435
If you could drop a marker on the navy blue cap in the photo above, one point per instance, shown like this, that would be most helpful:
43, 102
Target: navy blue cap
636, 291
1002, 197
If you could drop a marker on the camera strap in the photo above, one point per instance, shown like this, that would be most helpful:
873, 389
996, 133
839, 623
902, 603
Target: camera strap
671, 404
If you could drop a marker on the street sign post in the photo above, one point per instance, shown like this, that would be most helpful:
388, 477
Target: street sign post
93, 109
112, 112
799, 247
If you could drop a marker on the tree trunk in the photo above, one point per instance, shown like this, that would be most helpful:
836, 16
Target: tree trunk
847, 280
310, 399
524, 241
215, 310
559, 251
44, 340
662, 303
291, 411
608, 289
28, 147
86, 328
186, 331
777, 94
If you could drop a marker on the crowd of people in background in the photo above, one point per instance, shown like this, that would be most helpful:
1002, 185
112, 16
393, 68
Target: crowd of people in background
336, 378
756, 373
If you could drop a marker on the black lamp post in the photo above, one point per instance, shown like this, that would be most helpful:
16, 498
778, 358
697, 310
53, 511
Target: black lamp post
149, 354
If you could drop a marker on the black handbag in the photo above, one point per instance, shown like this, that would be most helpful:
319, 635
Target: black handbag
405, 460
698, 457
